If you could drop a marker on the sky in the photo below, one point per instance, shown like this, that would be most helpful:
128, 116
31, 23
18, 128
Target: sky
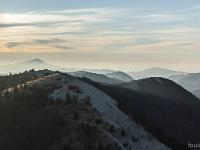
112, 34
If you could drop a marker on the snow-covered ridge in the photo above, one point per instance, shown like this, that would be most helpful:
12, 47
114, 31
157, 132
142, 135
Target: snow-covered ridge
107, 107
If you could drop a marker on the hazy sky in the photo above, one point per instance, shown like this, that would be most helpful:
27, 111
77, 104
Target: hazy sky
116, 34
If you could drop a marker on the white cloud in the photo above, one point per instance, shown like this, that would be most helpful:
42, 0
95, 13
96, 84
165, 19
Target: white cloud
99, 30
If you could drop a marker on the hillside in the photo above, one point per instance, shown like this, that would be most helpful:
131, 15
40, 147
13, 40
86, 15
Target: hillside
190, 81
164, 108
196, 93
10, 80
71, 113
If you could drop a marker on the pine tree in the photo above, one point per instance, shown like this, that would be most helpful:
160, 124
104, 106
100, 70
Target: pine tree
76, 115
68, 99
123, 132
100, 146
112, 128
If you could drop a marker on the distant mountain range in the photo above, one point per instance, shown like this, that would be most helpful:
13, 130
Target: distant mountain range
97, 77
39, 64
155, 72
120, 76
36, 64
189, 81
110, 78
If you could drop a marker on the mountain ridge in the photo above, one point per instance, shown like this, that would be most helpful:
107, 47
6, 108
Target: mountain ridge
155, 72
63, 86
120, 75
157, 103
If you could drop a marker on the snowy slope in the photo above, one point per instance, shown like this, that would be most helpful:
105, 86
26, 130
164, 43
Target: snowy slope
107, 107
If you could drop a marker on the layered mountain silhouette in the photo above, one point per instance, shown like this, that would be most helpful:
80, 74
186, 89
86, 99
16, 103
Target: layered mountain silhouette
52, 110
166, 109
120, 76
97, 77
105, 110
36, 64
190, 81
155, 72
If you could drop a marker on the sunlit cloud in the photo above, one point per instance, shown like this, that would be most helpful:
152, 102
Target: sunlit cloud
100, 30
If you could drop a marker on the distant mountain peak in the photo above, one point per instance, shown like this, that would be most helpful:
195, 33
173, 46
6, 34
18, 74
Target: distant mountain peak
36, 60
120, 75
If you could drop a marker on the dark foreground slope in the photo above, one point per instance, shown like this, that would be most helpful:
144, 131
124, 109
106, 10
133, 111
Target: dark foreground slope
27, 123
16, 79
163, 107
32, 120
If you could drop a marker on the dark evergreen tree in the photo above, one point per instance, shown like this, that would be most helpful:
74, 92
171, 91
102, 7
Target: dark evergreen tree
112, 128
76, 115
123, 132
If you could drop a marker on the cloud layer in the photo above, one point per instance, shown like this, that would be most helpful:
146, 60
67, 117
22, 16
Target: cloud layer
103, 31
